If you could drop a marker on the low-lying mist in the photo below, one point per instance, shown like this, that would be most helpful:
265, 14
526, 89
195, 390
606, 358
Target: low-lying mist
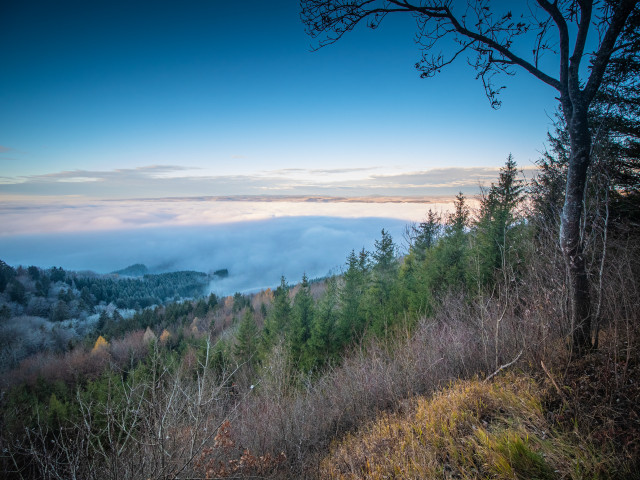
256, 253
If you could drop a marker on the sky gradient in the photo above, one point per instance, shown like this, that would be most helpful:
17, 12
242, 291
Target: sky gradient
152, 99
119, 121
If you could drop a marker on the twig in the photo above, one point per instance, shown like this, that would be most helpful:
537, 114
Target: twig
506, 365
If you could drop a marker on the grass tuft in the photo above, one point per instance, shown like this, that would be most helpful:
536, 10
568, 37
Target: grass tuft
472, 429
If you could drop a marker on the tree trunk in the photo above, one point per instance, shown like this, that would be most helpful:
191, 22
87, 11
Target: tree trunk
571, 239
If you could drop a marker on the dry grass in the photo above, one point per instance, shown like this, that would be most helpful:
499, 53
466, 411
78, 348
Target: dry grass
472, 429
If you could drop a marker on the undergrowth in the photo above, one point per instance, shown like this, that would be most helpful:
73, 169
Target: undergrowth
473, 429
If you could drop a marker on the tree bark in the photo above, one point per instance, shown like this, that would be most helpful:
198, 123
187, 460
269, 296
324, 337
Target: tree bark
571, 238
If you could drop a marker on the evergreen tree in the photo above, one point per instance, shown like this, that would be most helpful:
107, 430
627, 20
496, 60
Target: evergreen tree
279, 316
426, 234
17, 292
384, 255
7, 273
60, 312
246, 339
103, 321
201, 308
446, 265
380, 298
213, 300
322, 344
416, 291
301, 321
352, 322
494, 230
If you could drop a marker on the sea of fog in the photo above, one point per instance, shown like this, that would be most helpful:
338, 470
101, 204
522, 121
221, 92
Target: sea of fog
256, 253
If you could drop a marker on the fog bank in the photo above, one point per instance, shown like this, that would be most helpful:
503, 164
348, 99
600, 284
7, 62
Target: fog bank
256, 253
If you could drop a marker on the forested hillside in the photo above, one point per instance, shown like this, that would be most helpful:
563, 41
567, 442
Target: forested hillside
262, 384
53, 309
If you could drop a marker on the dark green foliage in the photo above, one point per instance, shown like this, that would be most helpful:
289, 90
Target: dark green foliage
60, 311
177, 310
17, 292
547, 188
7, 273
42, 286
34, 273
384, 257
381, 297
322, 345
57, 274
146, 291
201, 308
446, 264
279, 316
246, 345
496, 228
103, 320
302, 317
425, 235
351, 321
212, 301
240, 301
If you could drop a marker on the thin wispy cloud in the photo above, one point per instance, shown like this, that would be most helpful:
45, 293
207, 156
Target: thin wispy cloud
444, 177
174, 180
7, 150
319, 171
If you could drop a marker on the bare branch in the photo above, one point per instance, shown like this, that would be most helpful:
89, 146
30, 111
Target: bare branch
602, 56
506, 365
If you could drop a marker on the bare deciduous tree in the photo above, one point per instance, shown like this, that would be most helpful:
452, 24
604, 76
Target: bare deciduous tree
501, 42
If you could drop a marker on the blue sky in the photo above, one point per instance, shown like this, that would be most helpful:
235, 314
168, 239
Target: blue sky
112, 99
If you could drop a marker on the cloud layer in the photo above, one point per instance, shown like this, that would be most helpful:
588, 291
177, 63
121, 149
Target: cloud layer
172, 180
78, 215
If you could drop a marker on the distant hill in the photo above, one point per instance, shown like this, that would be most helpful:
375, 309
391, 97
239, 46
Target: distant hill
136, 270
